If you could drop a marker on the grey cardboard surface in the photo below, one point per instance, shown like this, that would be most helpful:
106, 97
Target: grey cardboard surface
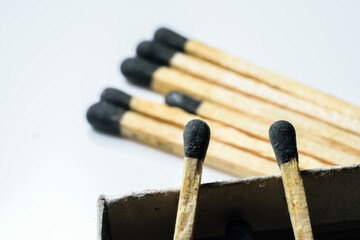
333, 197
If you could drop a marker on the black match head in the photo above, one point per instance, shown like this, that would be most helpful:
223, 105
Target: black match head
238, 230
138, 71
116, 97
105, 117
183, 101
170, 38
283, 140
155, 52
196, 139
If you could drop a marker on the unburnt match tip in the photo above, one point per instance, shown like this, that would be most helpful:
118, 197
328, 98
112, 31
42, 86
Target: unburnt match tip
116, 97
183, 101
238, 229
170, 38
283, 140
138, 71
155, 52
196, 139
105, 117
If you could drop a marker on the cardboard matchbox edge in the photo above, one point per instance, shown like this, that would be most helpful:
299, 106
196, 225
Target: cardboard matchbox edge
333, 197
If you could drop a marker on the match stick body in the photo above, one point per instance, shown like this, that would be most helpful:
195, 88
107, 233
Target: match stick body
164, 80
296, 200
283, 140
168, 138
228, 79
245, 68
188, 198
220, 132
196, 141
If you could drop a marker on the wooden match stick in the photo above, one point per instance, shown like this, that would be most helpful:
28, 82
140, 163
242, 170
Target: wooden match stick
283, 140
212, 73
196, 141
112, 119
163, 80
238, 230
256, 128
225, 60
220, 132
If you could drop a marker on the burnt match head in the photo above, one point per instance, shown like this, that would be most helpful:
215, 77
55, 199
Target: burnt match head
170, 38
116, 97
138, 71
183, 101
238, 229
196, 139
105, 117
155, 52
283, 140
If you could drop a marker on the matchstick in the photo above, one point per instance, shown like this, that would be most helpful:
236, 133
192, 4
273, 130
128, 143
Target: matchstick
256, 128
238, 230
220, 132
225, 60
196, 141
163, 80
212, 73
112, 119
283, 140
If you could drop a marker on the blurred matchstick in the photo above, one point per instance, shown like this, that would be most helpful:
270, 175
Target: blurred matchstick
220, 132
243, 122
201, 50
163, 80
228, 79
112, 119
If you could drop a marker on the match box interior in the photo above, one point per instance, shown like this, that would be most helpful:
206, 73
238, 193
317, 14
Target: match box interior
333, 196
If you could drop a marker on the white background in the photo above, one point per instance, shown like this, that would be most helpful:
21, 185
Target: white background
57, 56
